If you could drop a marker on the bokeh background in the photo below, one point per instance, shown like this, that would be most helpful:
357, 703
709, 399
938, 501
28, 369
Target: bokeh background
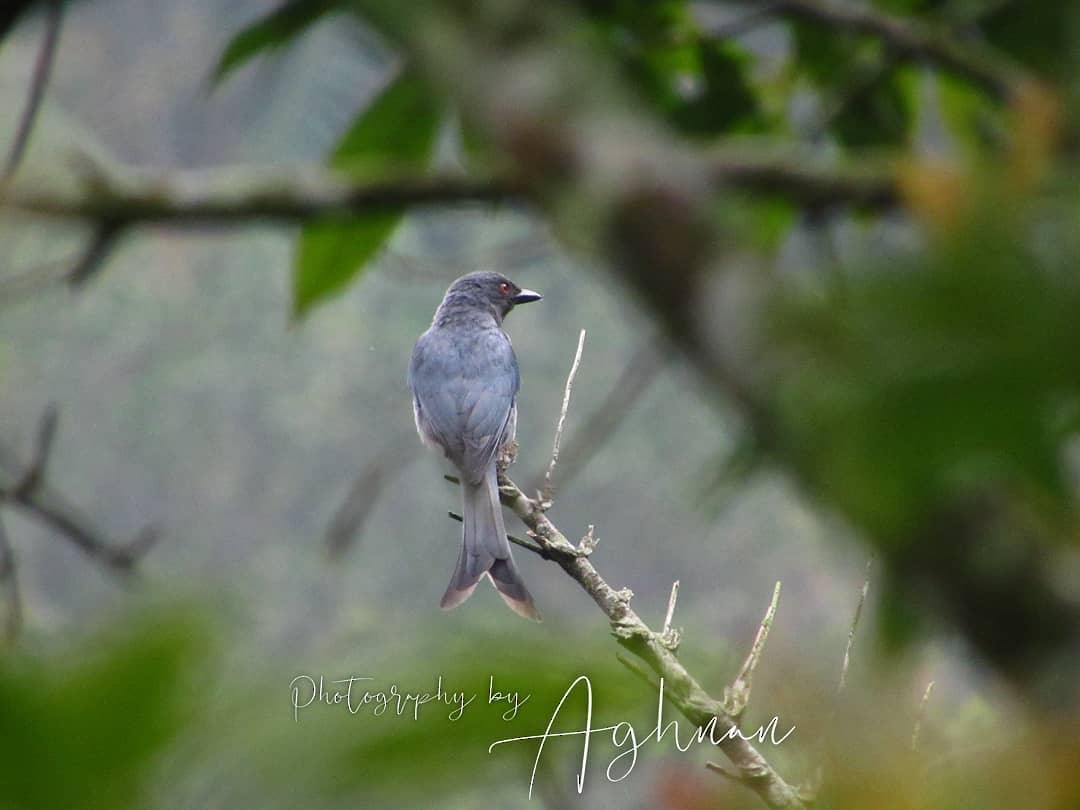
190, 398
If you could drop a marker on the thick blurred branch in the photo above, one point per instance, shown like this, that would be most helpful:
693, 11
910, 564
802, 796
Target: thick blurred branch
120, 198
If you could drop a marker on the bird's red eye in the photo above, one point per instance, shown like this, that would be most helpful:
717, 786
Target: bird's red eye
504, 288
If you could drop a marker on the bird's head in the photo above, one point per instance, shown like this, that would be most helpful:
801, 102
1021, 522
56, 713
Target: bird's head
489, 292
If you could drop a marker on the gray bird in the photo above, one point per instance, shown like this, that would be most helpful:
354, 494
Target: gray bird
464, 379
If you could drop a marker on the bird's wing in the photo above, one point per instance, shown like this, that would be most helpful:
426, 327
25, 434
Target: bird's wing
464, 393
489, 403
434, 371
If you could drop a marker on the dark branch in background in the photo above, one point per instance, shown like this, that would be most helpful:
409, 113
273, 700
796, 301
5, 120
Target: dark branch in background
636, 377
25, 487
9, 584
238, 196
354, 511
43, 65
222, 197
911, 39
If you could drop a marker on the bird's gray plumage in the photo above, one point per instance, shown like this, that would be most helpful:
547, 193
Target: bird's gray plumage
464, 378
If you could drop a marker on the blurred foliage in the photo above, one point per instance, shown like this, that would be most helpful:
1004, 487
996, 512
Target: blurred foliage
920, 383
397, 132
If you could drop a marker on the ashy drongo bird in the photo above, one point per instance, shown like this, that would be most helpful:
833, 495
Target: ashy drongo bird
464, 379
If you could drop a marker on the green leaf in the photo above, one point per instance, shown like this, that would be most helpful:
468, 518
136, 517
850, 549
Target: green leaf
396, 132
89, 734
270, 32
882, 116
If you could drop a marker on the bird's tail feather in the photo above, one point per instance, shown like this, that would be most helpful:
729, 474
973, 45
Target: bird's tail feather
485, 550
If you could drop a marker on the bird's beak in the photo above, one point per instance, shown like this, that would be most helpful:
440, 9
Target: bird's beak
527, 297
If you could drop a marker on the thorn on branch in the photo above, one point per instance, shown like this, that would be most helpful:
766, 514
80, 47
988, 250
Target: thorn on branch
737, 696
670, 636
916, 732
548, 492
854, 626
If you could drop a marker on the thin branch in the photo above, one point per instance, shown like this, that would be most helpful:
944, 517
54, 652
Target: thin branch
685, 693
737, 696
854, 626
912, 39
26, 489
9, 584
639, 373
43, 66
46, 433
638, 671
920, 716
548, 492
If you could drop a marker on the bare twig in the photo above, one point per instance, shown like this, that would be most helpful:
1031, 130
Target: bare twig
685, 693
43, 65
854, 626
640, 371
35, 472
26, 489
917, 730
737, 696
9, 583
363, 495
548, 492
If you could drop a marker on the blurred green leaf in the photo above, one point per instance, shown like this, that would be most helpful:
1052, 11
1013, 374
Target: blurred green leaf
726, 98
396, 132
86, 734
924, 383
273, 31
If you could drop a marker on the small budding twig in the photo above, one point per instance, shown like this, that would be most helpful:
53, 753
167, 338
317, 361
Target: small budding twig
671, 605
548, 492
917, 730
854, 626
737, 696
